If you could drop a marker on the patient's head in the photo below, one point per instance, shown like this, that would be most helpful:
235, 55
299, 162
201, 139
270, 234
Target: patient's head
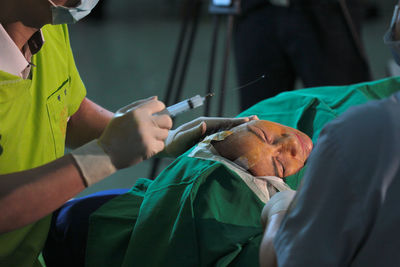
266, 148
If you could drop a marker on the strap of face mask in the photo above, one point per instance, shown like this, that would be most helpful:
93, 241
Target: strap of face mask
394, 22
52, 3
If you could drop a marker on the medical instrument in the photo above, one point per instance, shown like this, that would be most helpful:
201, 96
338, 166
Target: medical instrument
249, 83
185, 105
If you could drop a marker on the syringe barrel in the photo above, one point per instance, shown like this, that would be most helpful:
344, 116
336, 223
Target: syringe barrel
173, 110
183, 106
178, 108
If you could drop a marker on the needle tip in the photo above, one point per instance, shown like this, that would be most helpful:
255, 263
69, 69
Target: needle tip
209, 95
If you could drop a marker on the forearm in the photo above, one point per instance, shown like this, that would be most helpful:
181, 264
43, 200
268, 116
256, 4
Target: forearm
27, 196
267, 251
87, 123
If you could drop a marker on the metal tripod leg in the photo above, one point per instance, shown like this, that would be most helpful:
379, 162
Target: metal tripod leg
229, 12
225, 65
191, 16
180, 65
354, 35
193, 13
211, 66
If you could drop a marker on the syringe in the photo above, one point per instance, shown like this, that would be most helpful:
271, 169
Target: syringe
185, 105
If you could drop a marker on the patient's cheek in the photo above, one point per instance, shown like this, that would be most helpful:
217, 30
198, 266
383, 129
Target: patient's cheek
257, 164
262, 169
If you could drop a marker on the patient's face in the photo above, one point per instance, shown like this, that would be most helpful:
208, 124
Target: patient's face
266, 148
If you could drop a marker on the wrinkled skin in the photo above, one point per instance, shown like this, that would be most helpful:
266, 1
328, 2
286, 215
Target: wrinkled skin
266, 148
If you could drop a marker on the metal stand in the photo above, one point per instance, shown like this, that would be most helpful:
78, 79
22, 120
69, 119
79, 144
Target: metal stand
354, 35
184, 47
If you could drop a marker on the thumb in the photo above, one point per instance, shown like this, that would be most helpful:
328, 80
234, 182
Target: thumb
183, 140
132, 105
193, 134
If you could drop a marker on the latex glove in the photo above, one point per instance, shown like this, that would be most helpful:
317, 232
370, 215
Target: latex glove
135, 134
278, 203
190, 133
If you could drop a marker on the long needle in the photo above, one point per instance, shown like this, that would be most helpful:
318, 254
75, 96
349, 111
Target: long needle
249, 83
242, 86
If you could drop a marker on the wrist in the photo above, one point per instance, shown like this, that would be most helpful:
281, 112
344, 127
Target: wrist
278, 204
94, 164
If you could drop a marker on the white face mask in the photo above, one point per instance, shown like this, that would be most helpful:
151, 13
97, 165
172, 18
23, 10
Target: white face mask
69, 15
389, 37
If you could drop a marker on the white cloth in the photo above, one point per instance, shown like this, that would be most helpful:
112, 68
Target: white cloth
346, 213
12, 60
263, 186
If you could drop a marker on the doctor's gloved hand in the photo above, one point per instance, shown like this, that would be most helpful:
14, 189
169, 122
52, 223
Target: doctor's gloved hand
190, 133
133, 135
278, 203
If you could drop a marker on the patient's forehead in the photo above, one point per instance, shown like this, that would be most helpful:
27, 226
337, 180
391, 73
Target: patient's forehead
264, 124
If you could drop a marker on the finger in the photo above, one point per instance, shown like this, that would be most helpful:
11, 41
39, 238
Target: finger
161, 134
190, 124
224, 123
194, 134
254, 118
157, 146
163, 121
152, 106
129, 107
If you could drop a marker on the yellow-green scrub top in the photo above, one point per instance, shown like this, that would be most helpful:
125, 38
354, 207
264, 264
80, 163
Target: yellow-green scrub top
33, 120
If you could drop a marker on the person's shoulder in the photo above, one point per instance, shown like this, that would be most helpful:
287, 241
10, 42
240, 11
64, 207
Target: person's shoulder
369, 118
360, 133
59, 32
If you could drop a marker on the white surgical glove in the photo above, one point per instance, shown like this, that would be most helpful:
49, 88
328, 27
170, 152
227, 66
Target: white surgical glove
133, 135
190, 133
278, 203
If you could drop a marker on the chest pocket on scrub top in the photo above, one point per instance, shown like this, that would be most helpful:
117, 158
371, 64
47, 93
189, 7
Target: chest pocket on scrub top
58, 115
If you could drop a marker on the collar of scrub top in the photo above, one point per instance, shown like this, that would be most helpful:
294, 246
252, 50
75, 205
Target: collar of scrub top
12, 59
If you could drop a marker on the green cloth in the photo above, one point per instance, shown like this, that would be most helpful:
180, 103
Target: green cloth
33, 119
195, 201
200, 213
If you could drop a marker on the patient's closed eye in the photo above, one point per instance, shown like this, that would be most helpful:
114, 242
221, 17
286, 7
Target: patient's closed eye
259, 133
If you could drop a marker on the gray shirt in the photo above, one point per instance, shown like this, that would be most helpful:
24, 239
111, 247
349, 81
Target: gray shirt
347, 212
